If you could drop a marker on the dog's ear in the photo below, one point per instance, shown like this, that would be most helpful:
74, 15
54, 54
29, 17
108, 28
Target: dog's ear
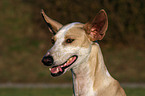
53, 25
97, 28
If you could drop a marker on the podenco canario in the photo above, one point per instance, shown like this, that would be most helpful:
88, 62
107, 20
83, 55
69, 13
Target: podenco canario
74, 49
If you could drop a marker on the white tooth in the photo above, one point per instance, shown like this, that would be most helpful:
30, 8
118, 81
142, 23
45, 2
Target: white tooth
65, 64
57, 69
50, 69
70, 59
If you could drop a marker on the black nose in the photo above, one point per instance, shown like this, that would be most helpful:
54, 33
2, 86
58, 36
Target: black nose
47, 60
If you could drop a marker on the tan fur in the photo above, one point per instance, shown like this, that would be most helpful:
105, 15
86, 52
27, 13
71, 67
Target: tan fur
79, 35
102, 84
90, 75
56, 26
111, 87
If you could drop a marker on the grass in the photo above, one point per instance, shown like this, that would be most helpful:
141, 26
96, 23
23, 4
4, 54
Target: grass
135, 91
56, 92
36, 92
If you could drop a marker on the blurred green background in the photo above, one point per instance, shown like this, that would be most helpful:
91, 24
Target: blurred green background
24, 37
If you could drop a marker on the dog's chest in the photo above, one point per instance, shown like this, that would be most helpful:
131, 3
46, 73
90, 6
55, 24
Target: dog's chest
83, 84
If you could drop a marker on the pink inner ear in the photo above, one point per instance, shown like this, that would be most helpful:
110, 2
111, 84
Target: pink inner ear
97, 29
93, 29
98, 26
94, 34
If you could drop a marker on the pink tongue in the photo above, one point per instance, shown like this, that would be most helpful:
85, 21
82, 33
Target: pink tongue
54, 70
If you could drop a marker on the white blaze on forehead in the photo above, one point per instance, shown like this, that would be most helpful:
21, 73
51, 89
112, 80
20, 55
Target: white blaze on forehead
61, 33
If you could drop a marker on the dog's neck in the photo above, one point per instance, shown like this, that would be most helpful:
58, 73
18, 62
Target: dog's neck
90, 75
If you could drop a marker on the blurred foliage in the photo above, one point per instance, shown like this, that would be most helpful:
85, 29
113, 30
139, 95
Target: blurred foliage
24, 37
126, 17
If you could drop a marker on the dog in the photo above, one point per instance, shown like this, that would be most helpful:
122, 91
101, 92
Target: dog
74, 49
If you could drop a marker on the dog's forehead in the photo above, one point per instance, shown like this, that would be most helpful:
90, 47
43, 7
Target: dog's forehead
64, 30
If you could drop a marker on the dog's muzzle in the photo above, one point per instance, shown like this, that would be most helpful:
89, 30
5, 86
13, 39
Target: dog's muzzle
47, 60
57, 70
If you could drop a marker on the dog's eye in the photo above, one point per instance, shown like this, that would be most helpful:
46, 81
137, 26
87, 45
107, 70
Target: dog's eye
52, 41
69, 40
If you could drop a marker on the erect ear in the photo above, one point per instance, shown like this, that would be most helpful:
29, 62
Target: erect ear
53, 25
97, 28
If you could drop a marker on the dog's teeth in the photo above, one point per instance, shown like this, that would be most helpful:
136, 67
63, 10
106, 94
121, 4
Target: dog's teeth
50, 69
67, 61
70, 59
57, 69
65, 64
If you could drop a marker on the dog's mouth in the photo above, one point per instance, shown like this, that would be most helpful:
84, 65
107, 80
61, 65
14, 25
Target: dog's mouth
60, 69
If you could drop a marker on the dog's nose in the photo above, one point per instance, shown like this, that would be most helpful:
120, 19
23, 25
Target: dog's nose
47, 60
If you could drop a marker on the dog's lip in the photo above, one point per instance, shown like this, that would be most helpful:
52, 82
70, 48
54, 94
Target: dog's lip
66, 61
60, 69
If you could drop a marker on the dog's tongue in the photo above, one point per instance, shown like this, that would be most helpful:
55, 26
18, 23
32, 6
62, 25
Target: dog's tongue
56, 69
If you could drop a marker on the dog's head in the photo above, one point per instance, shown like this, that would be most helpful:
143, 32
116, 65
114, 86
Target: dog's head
72, 43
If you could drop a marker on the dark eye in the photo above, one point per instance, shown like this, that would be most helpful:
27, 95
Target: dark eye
69, 40
52, 41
